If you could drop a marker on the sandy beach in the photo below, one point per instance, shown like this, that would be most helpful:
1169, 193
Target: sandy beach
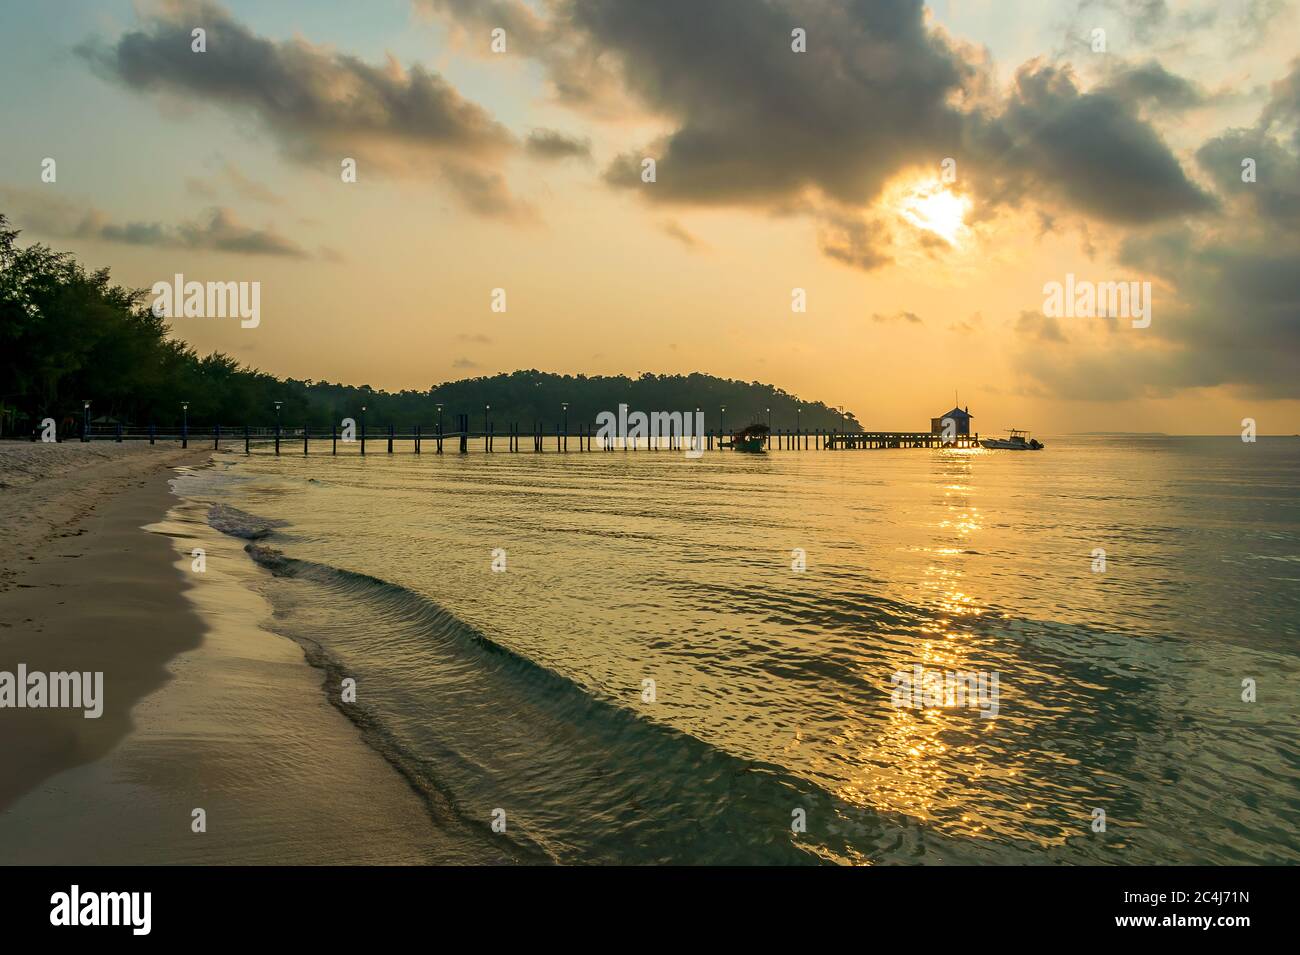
203, 708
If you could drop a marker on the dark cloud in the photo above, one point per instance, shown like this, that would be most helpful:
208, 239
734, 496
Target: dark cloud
551, 144
1283, 110
1151, 83
854, 240
879, 91
464, 364
1274, 197
1089, 151
910, 317
318, 104
219, 231
1039, 328
1236, 317
1226, 295
673, 228
757, 123
1224, 314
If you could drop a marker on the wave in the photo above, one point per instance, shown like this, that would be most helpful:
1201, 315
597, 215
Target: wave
236, 523
470, 722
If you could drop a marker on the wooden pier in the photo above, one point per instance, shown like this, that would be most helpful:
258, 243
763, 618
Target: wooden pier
512, 439
872, 440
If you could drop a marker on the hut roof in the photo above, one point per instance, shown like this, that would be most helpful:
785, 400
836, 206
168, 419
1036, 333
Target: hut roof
956, 413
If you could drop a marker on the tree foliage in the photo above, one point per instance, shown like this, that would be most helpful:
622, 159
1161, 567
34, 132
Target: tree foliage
68, 335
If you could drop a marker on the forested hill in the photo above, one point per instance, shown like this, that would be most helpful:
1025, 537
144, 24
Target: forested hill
67, 335
528, 396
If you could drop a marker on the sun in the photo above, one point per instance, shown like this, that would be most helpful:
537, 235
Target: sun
930, 206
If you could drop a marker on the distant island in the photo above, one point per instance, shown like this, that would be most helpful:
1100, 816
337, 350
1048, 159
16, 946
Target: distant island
70, 336
1118, 434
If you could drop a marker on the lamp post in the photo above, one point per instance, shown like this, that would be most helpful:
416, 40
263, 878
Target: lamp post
85, 421
769, 427
722, 422
185, 424
363, 430
798, 419
565, 406
277, 426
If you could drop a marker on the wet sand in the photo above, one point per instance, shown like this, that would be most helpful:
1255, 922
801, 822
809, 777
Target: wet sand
203, 708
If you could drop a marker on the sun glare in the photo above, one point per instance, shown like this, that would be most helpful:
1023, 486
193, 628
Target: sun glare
930, 206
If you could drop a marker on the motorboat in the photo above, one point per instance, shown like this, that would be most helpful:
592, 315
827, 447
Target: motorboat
1015, 441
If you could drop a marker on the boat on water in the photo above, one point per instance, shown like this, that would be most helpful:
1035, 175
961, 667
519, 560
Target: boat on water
750, 439
1015, 441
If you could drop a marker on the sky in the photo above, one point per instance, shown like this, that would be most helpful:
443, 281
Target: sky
921, 172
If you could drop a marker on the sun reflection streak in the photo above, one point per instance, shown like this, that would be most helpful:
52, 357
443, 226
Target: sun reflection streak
909, 764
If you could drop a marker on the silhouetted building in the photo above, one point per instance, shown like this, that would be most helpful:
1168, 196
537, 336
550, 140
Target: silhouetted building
960, 417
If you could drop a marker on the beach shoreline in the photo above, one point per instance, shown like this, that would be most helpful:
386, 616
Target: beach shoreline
203, 709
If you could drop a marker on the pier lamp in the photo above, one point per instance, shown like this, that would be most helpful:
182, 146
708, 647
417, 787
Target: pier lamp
722, 422
85, 421
565, 406
486, 409
277, 417
798, 416
439, 407
185, 419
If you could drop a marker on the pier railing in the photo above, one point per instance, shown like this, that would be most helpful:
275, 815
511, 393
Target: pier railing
511, 437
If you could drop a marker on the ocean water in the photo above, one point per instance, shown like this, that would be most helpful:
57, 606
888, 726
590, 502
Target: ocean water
770, 732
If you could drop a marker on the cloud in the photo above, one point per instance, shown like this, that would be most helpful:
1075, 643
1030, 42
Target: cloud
580, 73
317, 103
1090, 152
464, 364
1283, 109
1274, 197
219, 231
673, 228
909, 317
232, 177
551, 144
879, 92
1226, 290
475, 339
1039, 328
756, 124
1150, 82
854, 240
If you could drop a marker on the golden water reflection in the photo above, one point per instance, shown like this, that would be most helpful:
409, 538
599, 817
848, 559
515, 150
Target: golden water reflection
921, 762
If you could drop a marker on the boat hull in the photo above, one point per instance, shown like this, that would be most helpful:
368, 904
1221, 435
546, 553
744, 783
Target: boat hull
997, 444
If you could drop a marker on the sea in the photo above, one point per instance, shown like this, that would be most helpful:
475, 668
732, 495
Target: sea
1083, 655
